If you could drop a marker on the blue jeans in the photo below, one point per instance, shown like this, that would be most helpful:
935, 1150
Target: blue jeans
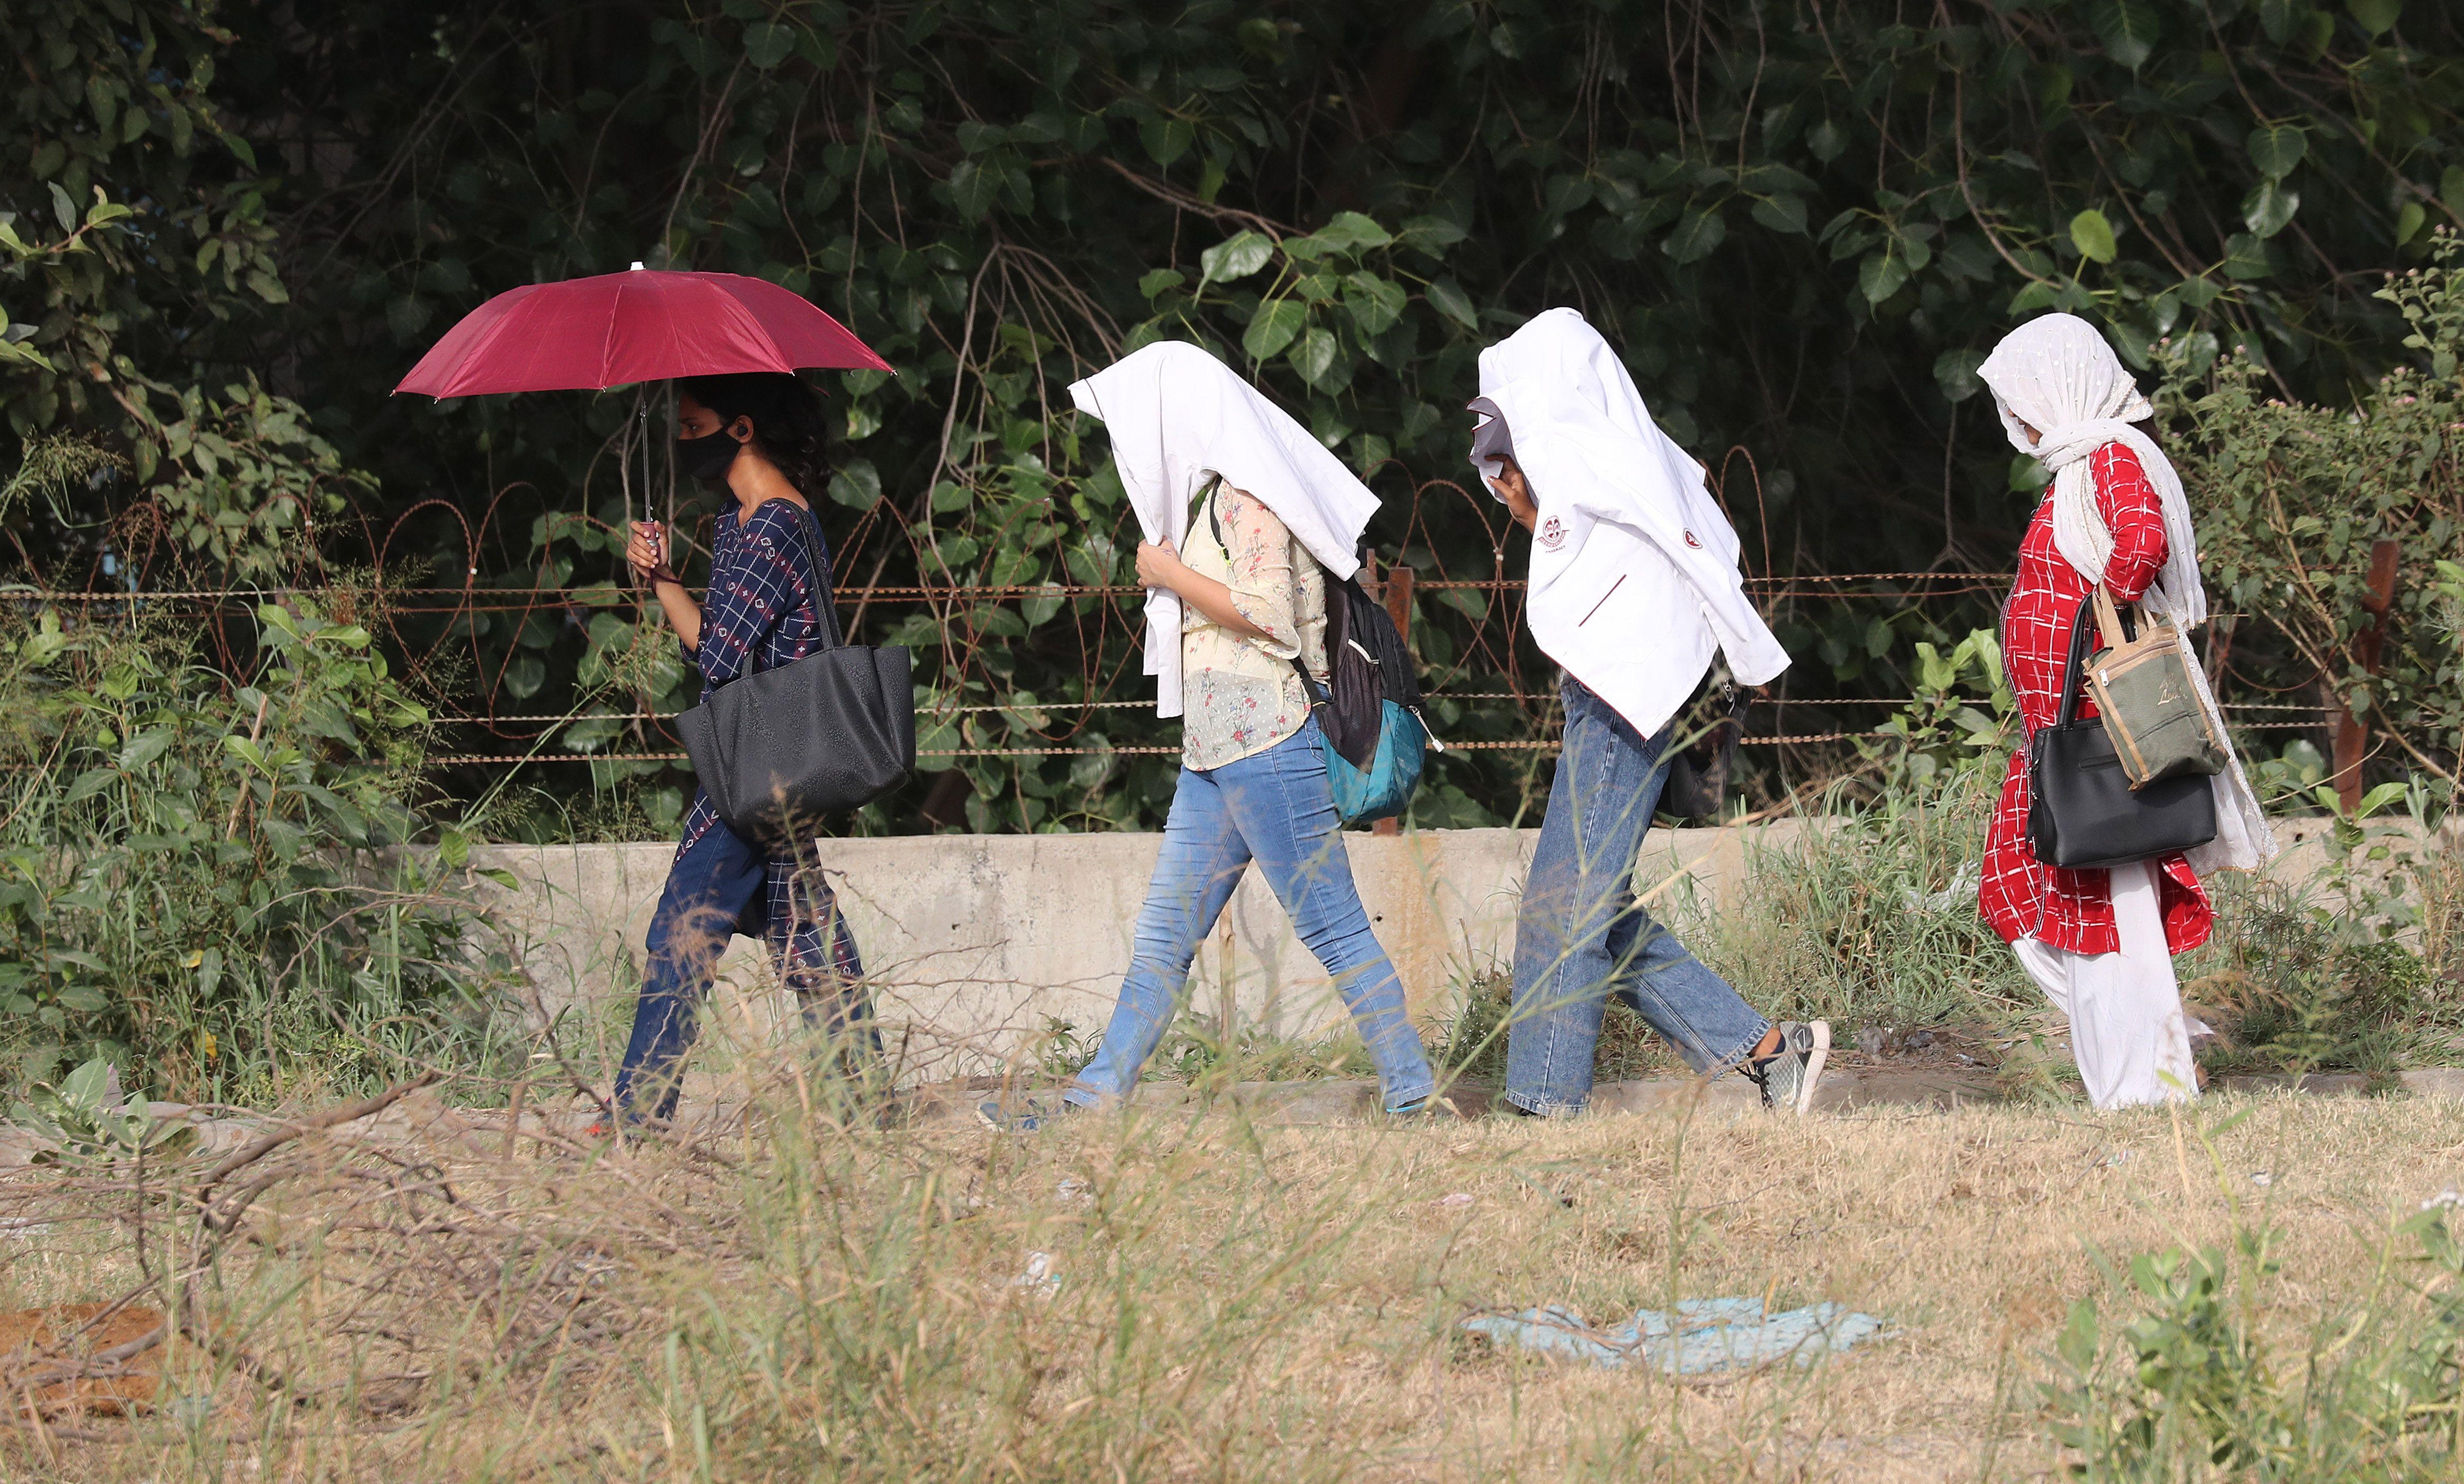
718, 888
1580, 936
1276, 808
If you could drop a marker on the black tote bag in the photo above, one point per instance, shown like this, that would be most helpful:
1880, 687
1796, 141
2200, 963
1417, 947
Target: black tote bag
830, 732
2083, 811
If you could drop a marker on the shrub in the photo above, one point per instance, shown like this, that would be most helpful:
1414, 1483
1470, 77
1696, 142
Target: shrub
2196, 1382
202, 872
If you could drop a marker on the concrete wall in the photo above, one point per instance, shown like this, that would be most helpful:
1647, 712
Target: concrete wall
977, 941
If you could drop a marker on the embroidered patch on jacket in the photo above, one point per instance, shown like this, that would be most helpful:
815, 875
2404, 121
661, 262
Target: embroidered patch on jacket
1690, 542
1551, 534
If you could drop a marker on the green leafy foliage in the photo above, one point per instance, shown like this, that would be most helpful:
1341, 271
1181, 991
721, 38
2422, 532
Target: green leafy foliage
1800, 251
2291, 499
87, 1119
2199, 1385
209, 879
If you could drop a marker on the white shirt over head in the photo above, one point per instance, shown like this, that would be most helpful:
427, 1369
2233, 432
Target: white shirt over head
1635, 584
1178, 418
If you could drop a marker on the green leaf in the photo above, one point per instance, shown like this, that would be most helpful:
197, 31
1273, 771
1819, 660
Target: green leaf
2378, 17
1782, 213
2245, 257
2451, 189
2267, 209
525, 675
1827, 139
1314, 355
857, 485
1375, 303
1352, 231
1954, 371
2408, 222
1881, 276
1167, 140
1160, 281
1697, 233
2092, 235
87, 784
1233, 258
1454, 303
145, 747
974, 188
2275, 148
1430, 234
2128, 30
767, 44
1273, 327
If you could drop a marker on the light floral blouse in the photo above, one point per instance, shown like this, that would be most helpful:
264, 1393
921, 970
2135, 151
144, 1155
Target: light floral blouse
1239, 695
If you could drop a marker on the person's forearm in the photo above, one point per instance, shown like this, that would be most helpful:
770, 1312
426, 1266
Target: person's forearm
1215, 601
684, 615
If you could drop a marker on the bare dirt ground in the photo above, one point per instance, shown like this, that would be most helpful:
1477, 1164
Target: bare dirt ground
1177, 1293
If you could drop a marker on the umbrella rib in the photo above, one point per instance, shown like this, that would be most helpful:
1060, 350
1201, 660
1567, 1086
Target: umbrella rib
608, 341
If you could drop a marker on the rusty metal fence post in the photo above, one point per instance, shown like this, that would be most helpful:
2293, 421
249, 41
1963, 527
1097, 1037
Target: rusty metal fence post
1397, 595
2353, 733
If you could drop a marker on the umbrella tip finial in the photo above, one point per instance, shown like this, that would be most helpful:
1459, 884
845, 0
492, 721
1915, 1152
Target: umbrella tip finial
637, 267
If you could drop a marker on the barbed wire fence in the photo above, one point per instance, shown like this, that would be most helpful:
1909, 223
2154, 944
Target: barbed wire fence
467, 639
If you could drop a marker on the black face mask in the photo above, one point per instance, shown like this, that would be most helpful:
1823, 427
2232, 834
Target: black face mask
706, 457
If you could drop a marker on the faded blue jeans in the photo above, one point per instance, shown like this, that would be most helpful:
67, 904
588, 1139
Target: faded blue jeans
1582, 936
1277, 809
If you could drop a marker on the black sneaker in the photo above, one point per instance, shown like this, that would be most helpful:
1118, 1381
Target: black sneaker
1789, 1074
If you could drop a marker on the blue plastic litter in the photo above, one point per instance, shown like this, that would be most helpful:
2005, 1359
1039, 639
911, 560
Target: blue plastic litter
1704, 1336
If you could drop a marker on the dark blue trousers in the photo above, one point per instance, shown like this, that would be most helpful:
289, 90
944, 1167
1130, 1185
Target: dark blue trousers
721, 885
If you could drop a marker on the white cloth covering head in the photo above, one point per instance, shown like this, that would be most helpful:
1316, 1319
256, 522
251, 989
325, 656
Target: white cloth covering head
2058, 376
1635, 582
1178, 418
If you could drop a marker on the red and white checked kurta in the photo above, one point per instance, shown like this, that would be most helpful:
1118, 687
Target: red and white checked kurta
2021, 896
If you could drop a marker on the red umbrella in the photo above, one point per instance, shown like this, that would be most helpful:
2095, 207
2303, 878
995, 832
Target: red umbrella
586, 334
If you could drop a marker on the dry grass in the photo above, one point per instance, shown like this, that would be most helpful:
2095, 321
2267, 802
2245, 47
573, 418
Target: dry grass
800, 1300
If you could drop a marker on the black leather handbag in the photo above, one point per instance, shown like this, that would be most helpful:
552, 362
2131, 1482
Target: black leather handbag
2083, 811
830, 732
1698, 774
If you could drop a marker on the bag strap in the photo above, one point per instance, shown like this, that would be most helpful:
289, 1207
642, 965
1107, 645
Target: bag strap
2081, 628
2111, 624
817, 553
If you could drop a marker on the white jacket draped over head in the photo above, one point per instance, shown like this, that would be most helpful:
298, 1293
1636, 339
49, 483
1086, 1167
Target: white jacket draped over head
1178, 418
1634, 568
2058, 375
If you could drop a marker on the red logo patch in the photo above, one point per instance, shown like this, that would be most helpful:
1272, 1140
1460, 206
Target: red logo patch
1552, 534
1690, 542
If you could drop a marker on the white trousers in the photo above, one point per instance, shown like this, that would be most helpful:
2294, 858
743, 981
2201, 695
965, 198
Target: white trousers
2127, 1031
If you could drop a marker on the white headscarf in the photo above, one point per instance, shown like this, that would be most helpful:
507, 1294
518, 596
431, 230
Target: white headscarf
2058, 376
1178, 418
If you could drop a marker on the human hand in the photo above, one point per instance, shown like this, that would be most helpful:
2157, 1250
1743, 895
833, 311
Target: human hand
1158, 563
648, 551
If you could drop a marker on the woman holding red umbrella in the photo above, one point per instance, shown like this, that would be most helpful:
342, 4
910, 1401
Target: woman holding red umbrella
762, 434
733, 344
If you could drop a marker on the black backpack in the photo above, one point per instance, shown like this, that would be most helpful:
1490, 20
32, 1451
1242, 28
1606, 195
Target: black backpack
1370, 714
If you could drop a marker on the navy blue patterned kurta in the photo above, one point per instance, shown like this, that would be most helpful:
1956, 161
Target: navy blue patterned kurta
758, 614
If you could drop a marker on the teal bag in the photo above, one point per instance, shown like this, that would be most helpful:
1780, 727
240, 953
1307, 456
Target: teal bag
1384, 788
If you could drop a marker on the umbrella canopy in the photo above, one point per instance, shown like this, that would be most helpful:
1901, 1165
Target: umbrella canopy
586, 334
